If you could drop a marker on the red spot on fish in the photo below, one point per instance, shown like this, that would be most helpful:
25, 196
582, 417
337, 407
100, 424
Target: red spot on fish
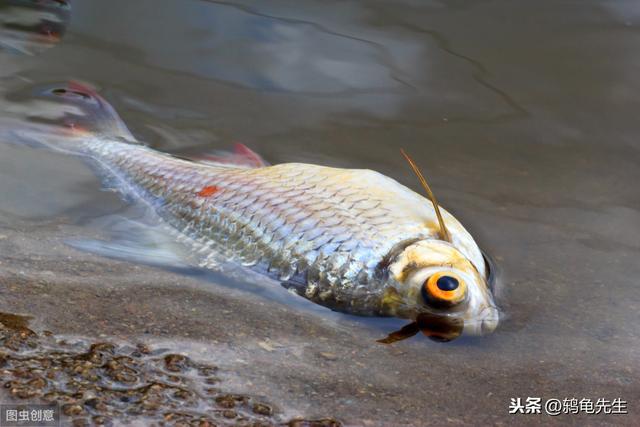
208, 191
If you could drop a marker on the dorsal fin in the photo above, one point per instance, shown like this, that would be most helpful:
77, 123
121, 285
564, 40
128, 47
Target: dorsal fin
444, 233
241, 156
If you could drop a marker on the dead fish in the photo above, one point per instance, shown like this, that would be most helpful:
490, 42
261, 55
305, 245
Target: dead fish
352, 240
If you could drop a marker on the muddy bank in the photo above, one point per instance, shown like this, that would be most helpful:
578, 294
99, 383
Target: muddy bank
300, 362
101, 383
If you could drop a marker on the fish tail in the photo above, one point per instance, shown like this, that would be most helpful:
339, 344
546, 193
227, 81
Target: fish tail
69, 114
85, 112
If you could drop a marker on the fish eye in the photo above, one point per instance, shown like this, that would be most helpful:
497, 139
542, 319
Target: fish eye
444, 290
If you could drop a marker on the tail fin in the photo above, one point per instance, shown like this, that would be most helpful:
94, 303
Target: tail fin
61, 115
85, 111
94, 115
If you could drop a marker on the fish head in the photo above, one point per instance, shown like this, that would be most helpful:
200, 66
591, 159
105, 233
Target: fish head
435, 284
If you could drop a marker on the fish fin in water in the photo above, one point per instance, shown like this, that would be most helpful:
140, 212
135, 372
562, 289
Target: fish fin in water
93, 114
436, 328
63, 115
241, 156
405, 332
138, 240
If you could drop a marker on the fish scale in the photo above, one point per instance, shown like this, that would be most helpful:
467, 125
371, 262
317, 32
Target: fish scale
310, 226
351, 240
323, 231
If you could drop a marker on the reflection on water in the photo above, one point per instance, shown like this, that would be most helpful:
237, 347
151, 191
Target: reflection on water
523, 115
357, 66
29, 26
223, 41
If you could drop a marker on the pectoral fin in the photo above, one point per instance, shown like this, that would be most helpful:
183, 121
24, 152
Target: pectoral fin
440, 328
406, 332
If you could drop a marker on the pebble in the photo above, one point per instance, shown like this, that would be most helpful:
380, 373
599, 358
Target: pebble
329, 356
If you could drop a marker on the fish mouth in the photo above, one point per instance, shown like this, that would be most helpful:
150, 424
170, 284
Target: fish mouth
490, 320
485, 323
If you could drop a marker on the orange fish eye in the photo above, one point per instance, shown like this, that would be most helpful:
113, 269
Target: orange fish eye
444, 289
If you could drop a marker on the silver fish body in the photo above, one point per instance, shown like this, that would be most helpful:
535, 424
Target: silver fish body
349, 239
326, 232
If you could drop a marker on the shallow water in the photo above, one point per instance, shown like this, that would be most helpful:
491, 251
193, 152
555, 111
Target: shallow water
523, 116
